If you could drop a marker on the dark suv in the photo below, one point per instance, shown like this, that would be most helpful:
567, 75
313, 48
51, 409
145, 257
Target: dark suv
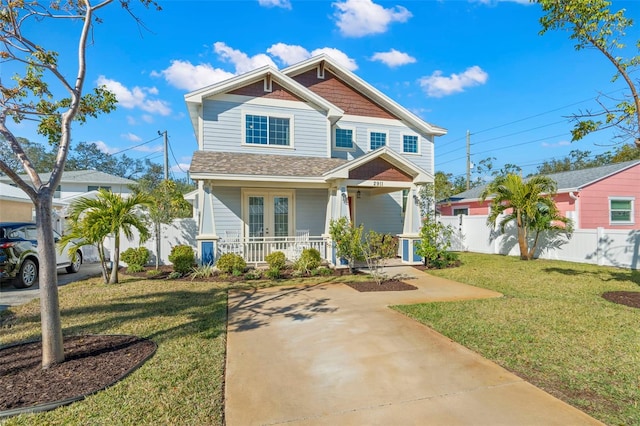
19, 254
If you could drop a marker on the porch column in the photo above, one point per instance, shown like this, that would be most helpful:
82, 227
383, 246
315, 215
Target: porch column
411, 229
207, 239
337, 207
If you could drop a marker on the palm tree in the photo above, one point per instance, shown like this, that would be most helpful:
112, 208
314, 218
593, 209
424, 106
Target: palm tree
92, 220
529, 204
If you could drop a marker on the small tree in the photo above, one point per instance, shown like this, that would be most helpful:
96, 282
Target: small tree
435, 242
167, 204
529, 204
347, 240
377, 249
109, 214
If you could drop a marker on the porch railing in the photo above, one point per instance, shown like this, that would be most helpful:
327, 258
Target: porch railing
255, 249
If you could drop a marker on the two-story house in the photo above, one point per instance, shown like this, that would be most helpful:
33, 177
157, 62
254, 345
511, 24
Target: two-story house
283, 152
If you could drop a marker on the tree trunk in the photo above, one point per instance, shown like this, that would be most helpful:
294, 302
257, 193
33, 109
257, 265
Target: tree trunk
522, 237
116, 259
158, 230
52, 342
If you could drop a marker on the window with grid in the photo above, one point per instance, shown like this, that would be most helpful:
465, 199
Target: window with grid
263, 130
621, 210
377, 139
344, 138
97, 187
410, 144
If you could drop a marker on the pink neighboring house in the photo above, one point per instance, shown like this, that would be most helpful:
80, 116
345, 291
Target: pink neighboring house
605, 196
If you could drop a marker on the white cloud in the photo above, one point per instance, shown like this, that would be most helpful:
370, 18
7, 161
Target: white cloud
240, 60
185, 75
181, 167
136, 97
494, 2
131, 137
339, 56
131, 120
285, 4
436, 85
393, 58
288, 53
556, 145
291, 54
146, 148
357, 18
105, 148
147, 118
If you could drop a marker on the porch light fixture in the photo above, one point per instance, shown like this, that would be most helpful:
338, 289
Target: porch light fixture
358, 194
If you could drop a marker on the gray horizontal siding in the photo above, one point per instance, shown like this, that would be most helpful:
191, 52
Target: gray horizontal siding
311, 209
227, 210
382, 213
223, 129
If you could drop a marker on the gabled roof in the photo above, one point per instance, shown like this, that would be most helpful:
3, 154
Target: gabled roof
194, 99
12, 193
418, 174
366, 89
573, 180
81, 176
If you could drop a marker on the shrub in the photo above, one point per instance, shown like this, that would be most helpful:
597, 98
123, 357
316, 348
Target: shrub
230, 262
324, 271
253, 274
183, 258
276, 260
435, 240
135, 256
203, 271
347, 240
309, 260
133, 268
174, 275
273, 273
153, 272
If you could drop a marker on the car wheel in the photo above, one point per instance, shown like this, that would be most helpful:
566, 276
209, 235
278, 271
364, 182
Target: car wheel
28, 274
75, 265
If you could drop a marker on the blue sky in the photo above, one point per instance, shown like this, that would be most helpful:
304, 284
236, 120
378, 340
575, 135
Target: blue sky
477, 65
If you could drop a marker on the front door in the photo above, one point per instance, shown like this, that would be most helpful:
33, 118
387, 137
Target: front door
268, 214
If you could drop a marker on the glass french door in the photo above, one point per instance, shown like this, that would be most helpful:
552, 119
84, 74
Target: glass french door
268, 214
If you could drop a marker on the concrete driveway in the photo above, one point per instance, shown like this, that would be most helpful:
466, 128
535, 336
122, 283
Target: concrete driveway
11, 296
329, 355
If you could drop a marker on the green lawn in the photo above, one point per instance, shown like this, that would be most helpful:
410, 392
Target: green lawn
552, 328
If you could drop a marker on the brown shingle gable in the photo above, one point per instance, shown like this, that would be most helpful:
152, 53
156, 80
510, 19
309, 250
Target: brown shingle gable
341, 94
257, 90
229, 163
379, 169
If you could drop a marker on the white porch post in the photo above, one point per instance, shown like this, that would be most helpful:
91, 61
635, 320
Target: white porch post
207, 238
337, 207
411, 229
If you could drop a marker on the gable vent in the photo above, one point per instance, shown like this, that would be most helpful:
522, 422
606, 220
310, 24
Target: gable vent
268, 84
321, 70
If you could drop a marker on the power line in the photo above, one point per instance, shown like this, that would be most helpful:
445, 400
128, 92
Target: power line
174, 158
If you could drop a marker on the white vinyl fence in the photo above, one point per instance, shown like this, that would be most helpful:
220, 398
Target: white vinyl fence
180, 231
596, 246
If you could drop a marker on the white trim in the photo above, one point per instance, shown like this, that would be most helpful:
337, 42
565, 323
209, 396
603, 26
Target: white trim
219, 178
418, 144
622, 198
244, 101
392, 122
353, 138
268, 114
373, 130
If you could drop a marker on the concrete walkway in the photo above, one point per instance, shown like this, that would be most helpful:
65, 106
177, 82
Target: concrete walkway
329, 355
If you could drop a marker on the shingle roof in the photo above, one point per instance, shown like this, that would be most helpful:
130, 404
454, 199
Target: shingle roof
229, 163
567, 181
82, 176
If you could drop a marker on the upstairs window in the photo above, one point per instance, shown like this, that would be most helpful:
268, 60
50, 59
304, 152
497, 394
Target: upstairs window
266, 130
621, 210
344, 138
410, 144
377, 139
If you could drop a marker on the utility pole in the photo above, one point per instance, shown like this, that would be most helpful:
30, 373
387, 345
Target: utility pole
166, 154
468, 159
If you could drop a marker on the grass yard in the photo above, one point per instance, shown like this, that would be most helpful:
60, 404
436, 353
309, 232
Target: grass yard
552, 328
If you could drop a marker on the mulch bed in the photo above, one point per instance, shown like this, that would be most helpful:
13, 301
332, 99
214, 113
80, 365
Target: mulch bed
628, 298
388, 285
92, 362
